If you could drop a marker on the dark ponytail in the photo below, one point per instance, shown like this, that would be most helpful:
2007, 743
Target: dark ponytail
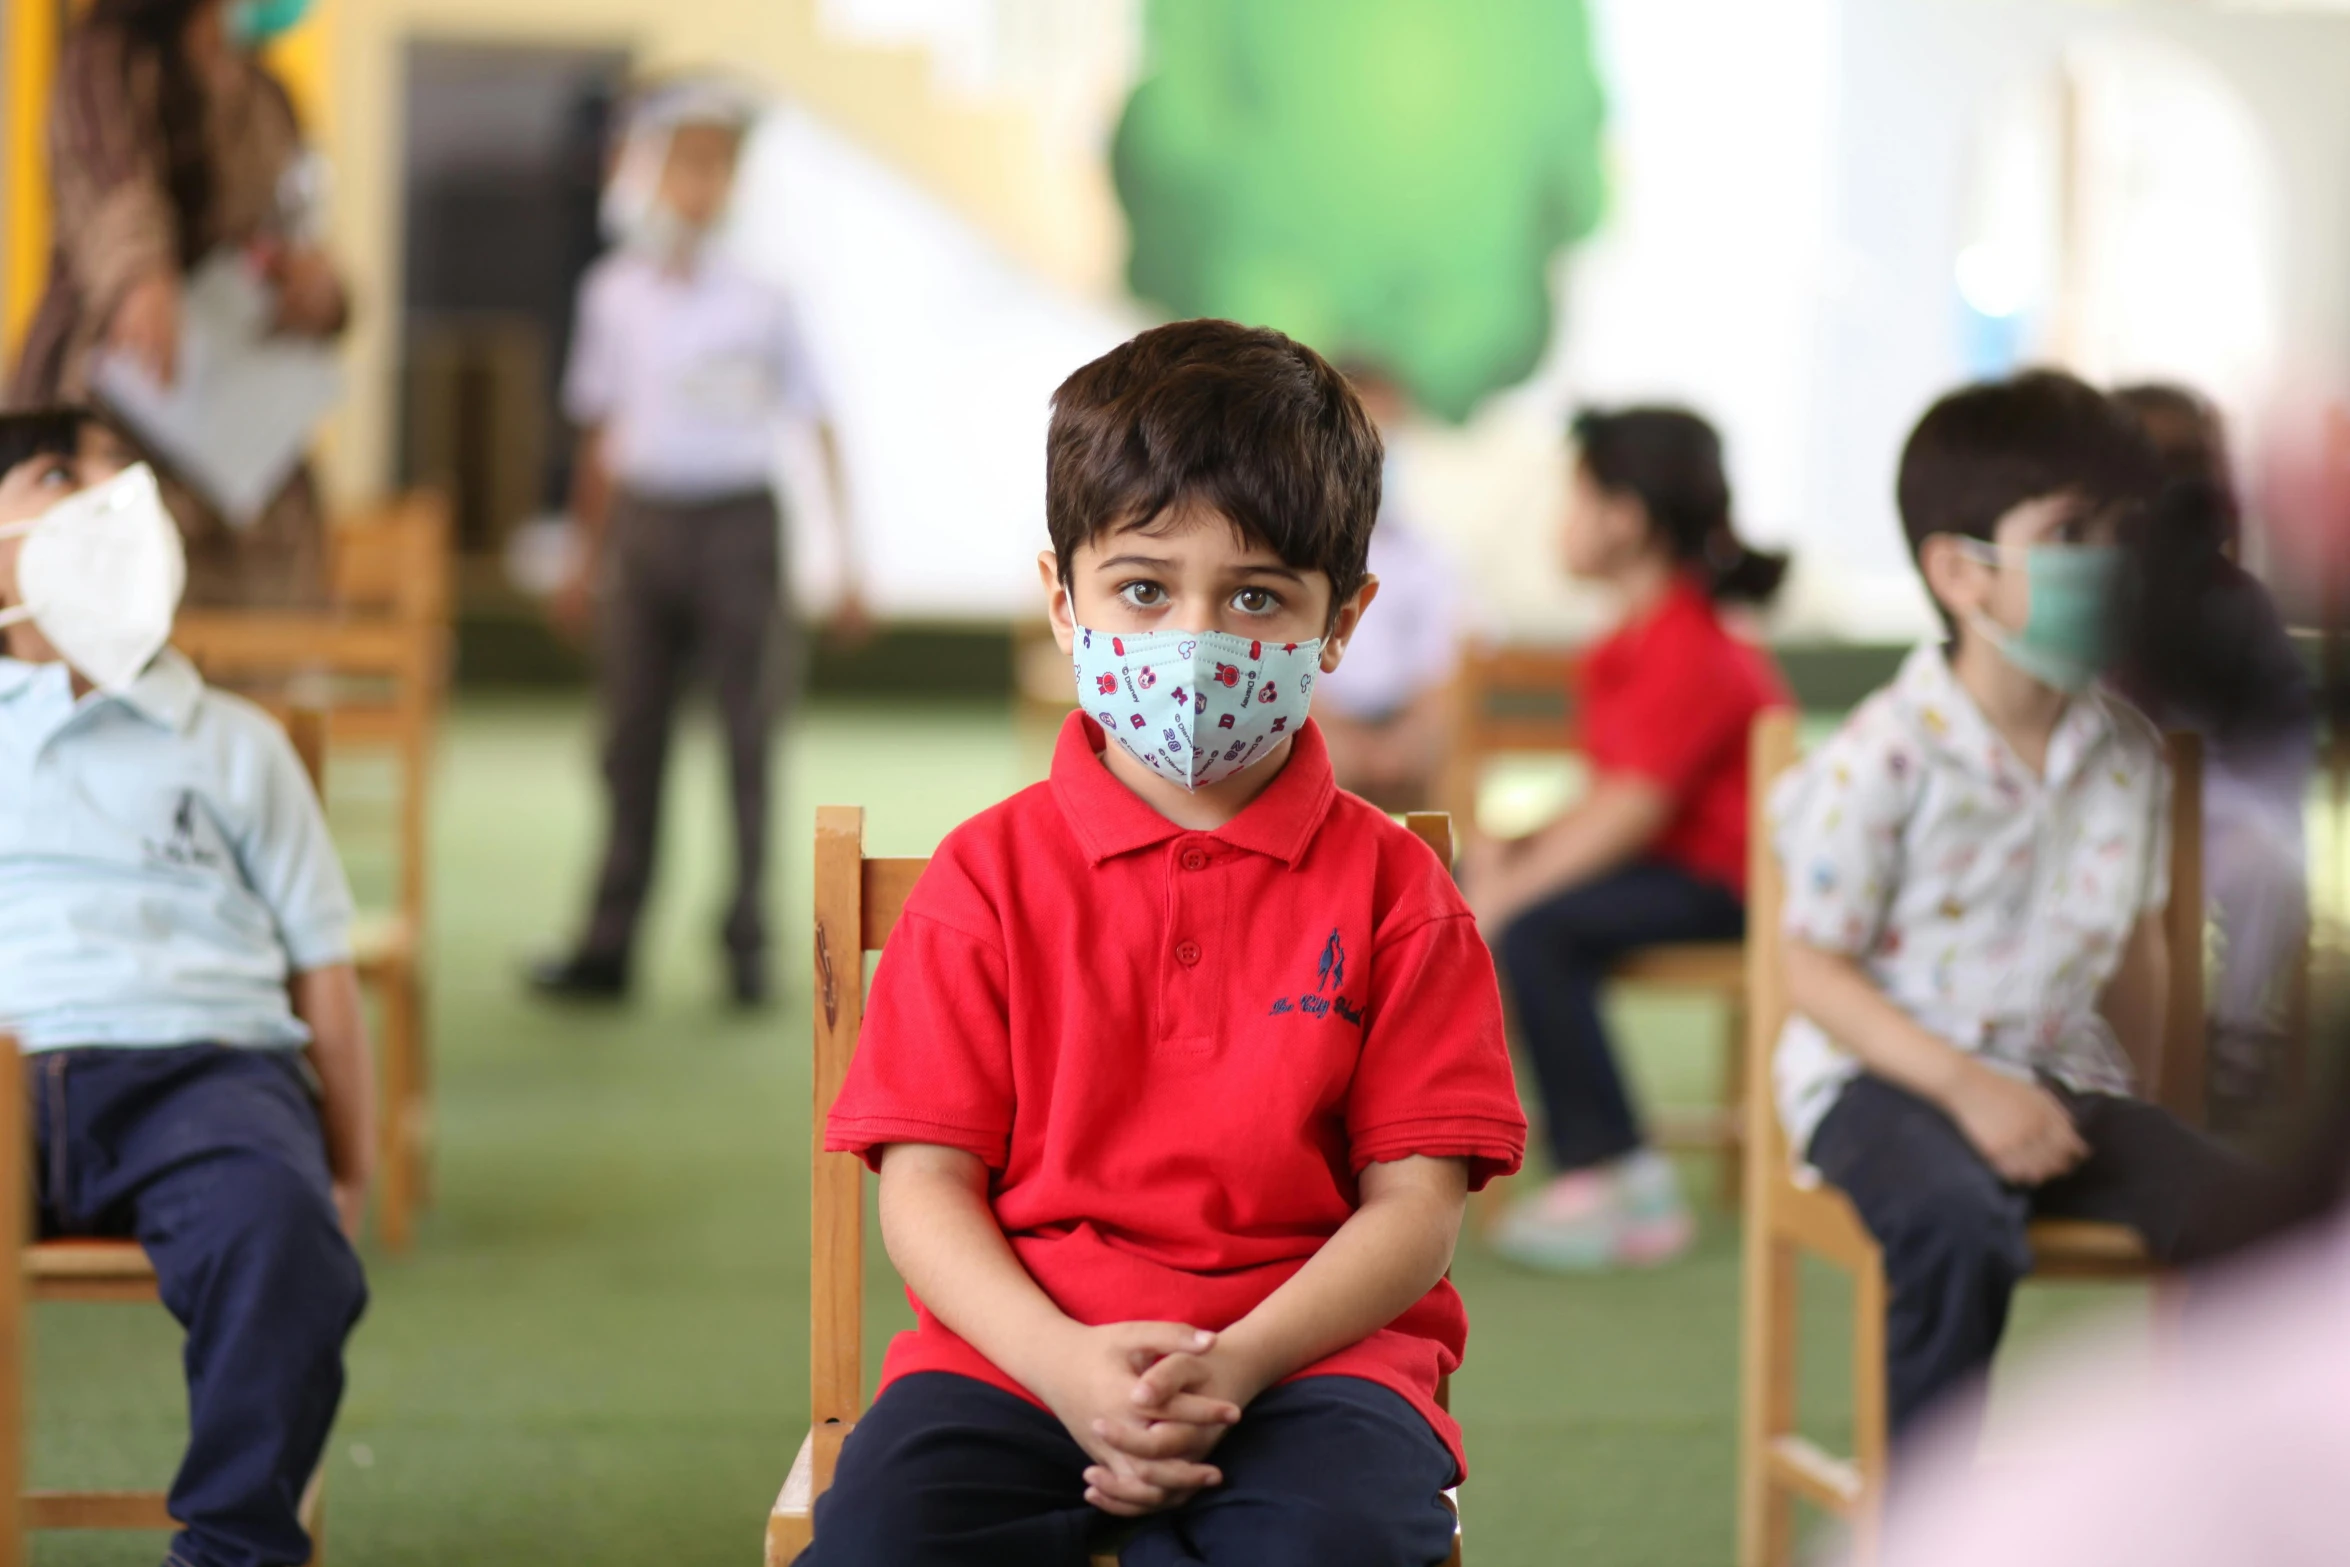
1670, 461
157, 29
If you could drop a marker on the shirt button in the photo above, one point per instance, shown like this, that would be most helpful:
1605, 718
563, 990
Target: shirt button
1195, 859
1187, 953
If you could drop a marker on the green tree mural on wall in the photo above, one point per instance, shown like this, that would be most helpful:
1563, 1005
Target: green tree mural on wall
1379, 178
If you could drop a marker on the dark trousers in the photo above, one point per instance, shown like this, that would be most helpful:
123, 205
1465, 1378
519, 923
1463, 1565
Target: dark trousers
687, 584
1952, 1230
945, 1471
213, 1159
1555, 958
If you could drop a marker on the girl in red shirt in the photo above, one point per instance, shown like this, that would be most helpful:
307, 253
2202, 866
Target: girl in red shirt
1655, 851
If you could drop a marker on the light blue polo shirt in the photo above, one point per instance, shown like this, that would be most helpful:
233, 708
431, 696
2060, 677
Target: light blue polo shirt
164, 865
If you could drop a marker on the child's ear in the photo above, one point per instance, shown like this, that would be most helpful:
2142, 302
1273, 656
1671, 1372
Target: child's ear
1953, 577
1057, 607
1342, 624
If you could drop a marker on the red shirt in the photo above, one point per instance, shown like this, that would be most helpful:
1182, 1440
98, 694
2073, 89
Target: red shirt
1670, 697
1177, 1050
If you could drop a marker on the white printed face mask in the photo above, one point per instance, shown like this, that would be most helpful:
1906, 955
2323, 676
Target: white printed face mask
100, 575
1195, 707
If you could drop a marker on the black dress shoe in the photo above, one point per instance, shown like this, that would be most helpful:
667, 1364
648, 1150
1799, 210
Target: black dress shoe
579, 977
747, 979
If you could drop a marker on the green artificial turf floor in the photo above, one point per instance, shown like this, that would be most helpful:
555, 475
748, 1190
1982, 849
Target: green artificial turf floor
596, 1355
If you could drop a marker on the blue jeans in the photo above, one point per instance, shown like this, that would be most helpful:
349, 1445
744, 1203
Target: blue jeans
946, 1471
1555, 958
213, 1159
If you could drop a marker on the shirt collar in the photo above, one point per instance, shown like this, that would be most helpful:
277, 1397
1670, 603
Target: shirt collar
167, 690
1941, 710
1110, 819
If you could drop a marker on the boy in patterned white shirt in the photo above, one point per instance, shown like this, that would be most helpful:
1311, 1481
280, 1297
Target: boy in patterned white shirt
1976, 871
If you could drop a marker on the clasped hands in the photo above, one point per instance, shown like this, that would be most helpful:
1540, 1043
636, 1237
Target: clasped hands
1148, 1401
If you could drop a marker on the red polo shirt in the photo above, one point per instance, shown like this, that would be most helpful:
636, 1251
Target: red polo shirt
1177, 1050
1670, 697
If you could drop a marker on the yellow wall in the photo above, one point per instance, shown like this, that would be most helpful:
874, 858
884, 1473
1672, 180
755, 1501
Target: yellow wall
28, 56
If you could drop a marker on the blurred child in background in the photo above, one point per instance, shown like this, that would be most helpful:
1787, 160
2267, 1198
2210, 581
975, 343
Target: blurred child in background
683, 367
1655, 851
2205, 650
1977, 865
1386, 711
175, 962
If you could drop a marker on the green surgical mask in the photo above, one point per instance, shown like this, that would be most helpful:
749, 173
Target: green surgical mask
2067, 636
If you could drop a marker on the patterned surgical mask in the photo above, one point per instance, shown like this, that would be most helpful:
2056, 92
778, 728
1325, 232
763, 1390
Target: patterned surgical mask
101, 574
1195, 707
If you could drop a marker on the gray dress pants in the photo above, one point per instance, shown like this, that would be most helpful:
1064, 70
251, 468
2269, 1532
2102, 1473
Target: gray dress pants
688, 583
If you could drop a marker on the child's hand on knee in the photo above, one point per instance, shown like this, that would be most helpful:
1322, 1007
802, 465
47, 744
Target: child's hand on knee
1136, 1470
2021, 1129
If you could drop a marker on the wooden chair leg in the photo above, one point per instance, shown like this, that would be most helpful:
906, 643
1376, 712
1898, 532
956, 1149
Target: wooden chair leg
419, 1136
1732, 1172
1868, 1408
1766, 1412
395, 1171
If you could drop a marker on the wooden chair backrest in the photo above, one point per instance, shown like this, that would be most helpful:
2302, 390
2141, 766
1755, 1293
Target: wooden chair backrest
393, 558
858, 903
2176, 1080
1508, 698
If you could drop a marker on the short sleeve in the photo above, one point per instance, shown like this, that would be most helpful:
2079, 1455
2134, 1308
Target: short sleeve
289, 859
591, 381
1836, 821
1667, 712
800, 381
934, 1058
1434, 1078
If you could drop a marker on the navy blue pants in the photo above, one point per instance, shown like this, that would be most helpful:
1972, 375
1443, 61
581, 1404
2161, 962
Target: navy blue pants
1555, 958
945, 1471
213, 1158
1952, 1230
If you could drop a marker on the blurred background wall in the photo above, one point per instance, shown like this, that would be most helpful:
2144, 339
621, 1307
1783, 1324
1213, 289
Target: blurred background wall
1803, 219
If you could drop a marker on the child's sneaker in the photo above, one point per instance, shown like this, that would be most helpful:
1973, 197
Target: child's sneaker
1628, 1214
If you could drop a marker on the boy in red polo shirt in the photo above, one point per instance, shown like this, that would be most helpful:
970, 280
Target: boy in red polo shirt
1181, 1066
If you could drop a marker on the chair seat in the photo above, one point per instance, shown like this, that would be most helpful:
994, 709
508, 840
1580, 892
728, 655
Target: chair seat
381, 940
2078, 1248
79, 1268
1710, 965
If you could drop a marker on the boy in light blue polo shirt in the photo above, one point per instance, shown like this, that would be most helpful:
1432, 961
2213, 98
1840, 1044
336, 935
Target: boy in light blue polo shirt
175, 963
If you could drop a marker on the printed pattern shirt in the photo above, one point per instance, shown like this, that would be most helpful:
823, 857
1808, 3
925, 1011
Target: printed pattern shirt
1989, 904
164, 865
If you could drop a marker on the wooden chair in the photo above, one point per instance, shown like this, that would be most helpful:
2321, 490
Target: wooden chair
81, 1269
1790, 1213
1516, 699
380, 667
858, 901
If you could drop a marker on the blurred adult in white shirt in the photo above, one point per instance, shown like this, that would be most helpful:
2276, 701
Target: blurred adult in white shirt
683, 369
